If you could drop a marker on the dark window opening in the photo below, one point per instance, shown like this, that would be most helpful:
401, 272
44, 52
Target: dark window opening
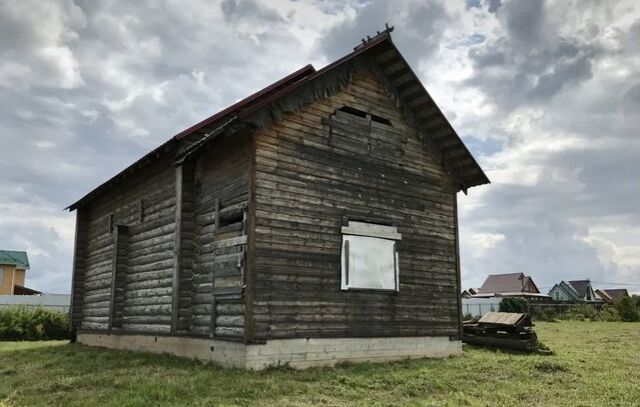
381, 120
353, 111
365, 115
230, 219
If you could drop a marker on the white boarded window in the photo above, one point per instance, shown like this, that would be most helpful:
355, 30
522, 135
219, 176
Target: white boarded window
369, 257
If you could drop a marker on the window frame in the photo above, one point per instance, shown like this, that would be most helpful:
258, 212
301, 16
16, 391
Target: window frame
361, 230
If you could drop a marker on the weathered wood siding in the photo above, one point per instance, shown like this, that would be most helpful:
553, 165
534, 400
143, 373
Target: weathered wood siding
313, 169
79, 269
146, 204
120, 270
219, 243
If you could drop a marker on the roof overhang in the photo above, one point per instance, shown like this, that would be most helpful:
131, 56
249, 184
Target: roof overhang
438, 134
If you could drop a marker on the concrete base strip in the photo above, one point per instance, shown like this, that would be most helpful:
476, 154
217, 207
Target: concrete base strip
297, 353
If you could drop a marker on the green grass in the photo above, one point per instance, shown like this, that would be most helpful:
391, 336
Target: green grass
595, 363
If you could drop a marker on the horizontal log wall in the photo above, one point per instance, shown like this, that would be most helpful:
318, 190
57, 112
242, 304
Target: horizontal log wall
145, 203
313, 169
219, 239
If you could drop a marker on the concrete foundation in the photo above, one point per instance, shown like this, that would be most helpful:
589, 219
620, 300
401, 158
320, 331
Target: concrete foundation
297, 353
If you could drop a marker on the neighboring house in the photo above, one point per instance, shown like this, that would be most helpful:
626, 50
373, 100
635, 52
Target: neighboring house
312, 222
469, 292
13, 268
574, 291
508, 285
612, 295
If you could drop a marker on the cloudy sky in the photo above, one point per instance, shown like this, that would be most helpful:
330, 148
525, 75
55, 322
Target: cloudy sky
545, 94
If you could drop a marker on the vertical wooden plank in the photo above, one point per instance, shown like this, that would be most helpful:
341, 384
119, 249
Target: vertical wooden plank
251, 245
212, 322
175, 287
346, 263
141, 210
75, 275
114, 269
458, 277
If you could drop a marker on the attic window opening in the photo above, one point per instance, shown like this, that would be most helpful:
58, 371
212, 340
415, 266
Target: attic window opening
365, 115
231, 218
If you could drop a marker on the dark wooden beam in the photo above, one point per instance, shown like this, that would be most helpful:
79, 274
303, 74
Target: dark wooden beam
463, 173
453, 150
78, 273
441, 133
393, 77
386, 56
435, 123
458, 270
175, 286
214, 302
426, 108
418, 101
250, 229
393, 67
400, 89
412, 94
114, 269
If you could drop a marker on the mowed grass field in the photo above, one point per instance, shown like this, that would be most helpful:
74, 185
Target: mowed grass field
595, 364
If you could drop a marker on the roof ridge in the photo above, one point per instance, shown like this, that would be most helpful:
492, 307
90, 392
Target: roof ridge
465, 172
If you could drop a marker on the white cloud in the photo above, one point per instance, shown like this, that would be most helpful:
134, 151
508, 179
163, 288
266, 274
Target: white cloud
546, 96
481, 242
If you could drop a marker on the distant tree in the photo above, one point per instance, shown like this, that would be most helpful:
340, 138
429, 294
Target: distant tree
628, 309
514, 304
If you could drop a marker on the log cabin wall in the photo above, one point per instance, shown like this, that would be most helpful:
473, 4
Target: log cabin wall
145, 203
220, 236
79, 270
318, 167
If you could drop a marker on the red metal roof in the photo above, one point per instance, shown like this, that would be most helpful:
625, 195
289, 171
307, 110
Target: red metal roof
470, 171
248, 101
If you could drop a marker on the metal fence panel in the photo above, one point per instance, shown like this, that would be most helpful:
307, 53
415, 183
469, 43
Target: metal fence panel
55, 302
477, 307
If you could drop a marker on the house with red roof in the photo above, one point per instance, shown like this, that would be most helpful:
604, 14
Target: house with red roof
310, 223
509, 285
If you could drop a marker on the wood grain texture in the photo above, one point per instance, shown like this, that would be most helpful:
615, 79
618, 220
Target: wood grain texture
318, 166
243, 241
219, 238
148, 255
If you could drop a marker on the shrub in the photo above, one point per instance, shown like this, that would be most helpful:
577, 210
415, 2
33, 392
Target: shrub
514, 304
608, 314
545, 314
580, 313
628, 310
32, 324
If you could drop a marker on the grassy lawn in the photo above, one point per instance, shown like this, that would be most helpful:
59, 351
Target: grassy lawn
596, 363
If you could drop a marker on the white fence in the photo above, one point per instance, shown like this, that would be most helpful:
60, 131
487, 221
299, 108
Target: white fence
477, 307
55, 302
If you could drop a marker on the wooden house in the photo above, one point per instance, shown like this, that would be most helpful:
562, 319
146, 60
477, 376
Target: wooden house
13, 269
313, 222
574, 291
612, 295
509, 285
